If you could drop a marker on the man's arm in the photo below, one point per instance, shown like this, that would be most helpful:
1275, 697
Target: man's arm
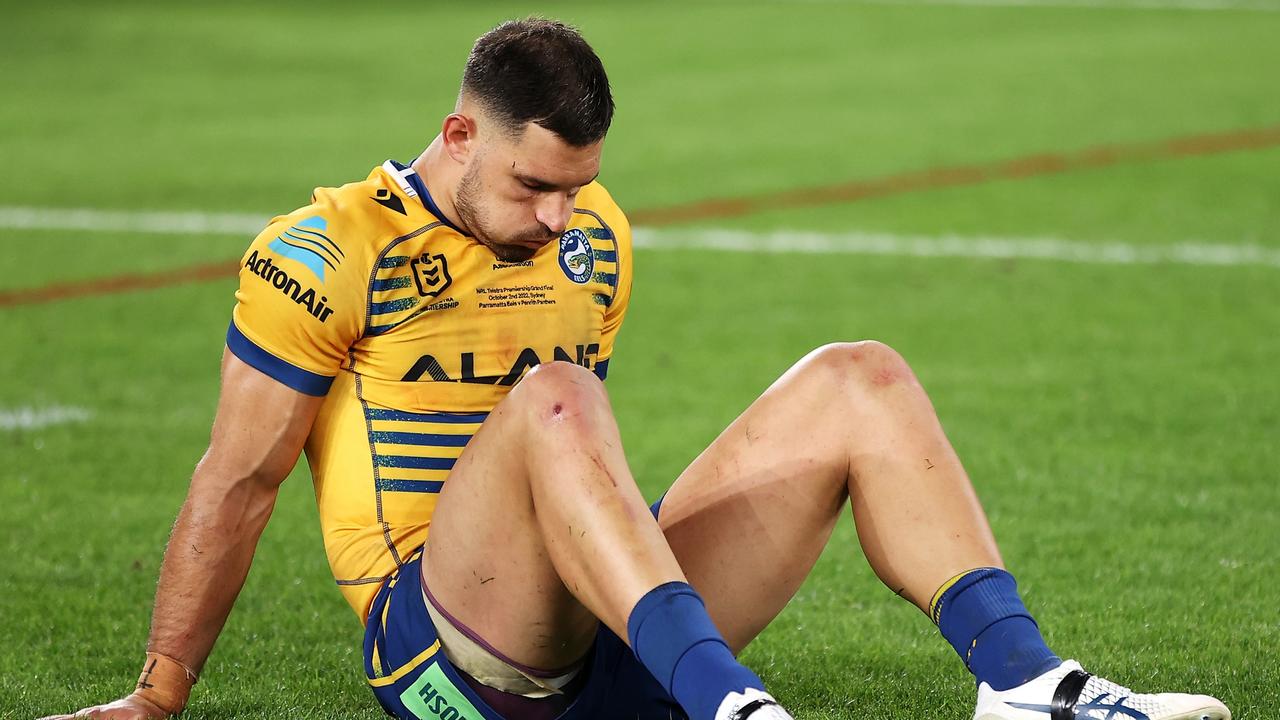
257, 436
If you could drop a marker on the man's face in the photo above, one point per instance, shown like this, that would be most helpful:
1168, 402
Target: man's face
518, 192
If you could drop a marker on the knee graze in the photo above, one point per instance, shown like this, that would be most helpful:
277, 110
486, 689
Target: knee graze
557, 391
868, 363
566, 404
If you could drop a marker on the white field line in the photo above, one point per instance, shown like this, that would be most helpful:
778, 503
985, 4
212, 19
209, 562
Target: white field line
34, 418
848, 243
145, 221
960, 246
1210, 5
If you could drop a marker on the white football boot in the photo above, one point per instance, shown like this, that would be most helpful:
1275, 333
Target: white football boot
751, 704
1069, 693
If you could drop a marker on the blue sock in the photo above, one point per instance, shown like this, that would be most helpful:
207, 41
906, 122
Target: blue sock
980, 613
674, 638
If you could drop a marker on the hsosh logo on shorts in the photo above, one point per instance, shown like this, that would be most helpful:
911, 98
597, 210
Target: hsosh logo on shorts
576, 258
439, 704
433, 696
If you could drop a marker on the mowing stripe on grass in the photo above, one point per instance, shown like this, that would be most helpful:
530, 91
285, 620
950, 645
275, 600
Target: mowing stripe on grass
957, 246
1211, 5
34, 418
944, 176
781, 241
83, 219
947, 176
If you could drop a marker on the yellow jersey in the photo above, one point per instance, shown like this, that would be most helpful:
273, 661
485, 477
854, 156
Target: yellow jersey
413, 331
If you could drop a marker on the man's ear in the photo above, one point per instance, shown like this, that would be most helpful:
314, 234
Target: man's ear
459, 135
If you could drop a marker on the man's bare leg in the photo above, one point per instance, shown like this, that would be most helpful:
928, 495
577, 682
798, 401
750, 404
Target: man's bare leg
540, 524
752, 513
540, 530
750, 516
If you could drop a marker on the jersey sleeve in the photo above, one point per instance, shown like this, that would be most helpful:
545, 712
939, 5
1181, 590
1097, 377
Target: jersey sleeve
617, 309
301, 301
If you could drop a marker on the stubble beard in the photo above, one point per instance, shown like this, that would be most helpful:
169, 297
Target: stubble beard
469, 189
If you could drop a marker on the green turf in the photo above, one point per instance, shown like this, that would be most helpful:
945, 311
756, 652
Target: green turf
1119, 421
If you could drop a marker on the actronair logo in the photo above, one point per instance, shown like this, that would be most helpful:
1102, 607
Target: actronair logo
264, 268
306, 243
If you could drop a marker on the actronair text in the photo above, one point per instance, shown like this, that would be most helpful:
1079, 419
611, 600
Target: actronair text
280, 280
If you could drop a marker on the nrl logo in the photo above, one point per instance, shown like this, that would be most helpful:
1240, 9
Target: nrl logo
431, 274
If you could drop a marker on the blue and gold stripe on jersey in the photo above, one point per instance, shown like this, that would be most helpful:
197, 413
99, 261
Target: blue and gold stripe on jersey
402, 287
414, 452
604, 251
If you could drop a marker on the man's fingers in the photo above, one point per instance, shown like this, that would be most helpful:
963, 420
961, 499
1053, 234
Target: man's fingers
129, 708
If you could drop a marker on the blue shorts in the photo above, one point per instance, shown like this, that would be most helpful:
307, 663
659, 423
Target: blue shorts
412, 678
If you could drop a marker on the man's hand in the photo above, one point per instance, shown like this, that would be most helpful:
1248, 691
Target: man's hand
126, 708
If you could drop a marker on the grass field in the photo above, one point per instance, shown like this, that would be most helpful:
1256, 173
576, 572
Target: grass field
1120, 421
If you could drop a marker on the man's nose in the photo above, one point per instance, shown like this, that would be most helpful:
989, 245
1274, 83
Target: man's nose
554, 211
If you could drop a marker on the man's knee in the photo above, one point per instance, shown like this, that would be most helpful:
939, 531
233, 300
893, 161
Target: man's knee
559, 393
566, 411
866, 365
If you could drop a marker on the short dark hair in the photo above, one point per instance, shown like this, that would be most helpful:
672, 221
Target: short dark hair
544, 72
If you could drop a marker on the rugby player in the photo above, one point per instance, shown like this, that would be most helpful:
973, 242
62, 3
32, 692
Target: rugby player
435, 338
